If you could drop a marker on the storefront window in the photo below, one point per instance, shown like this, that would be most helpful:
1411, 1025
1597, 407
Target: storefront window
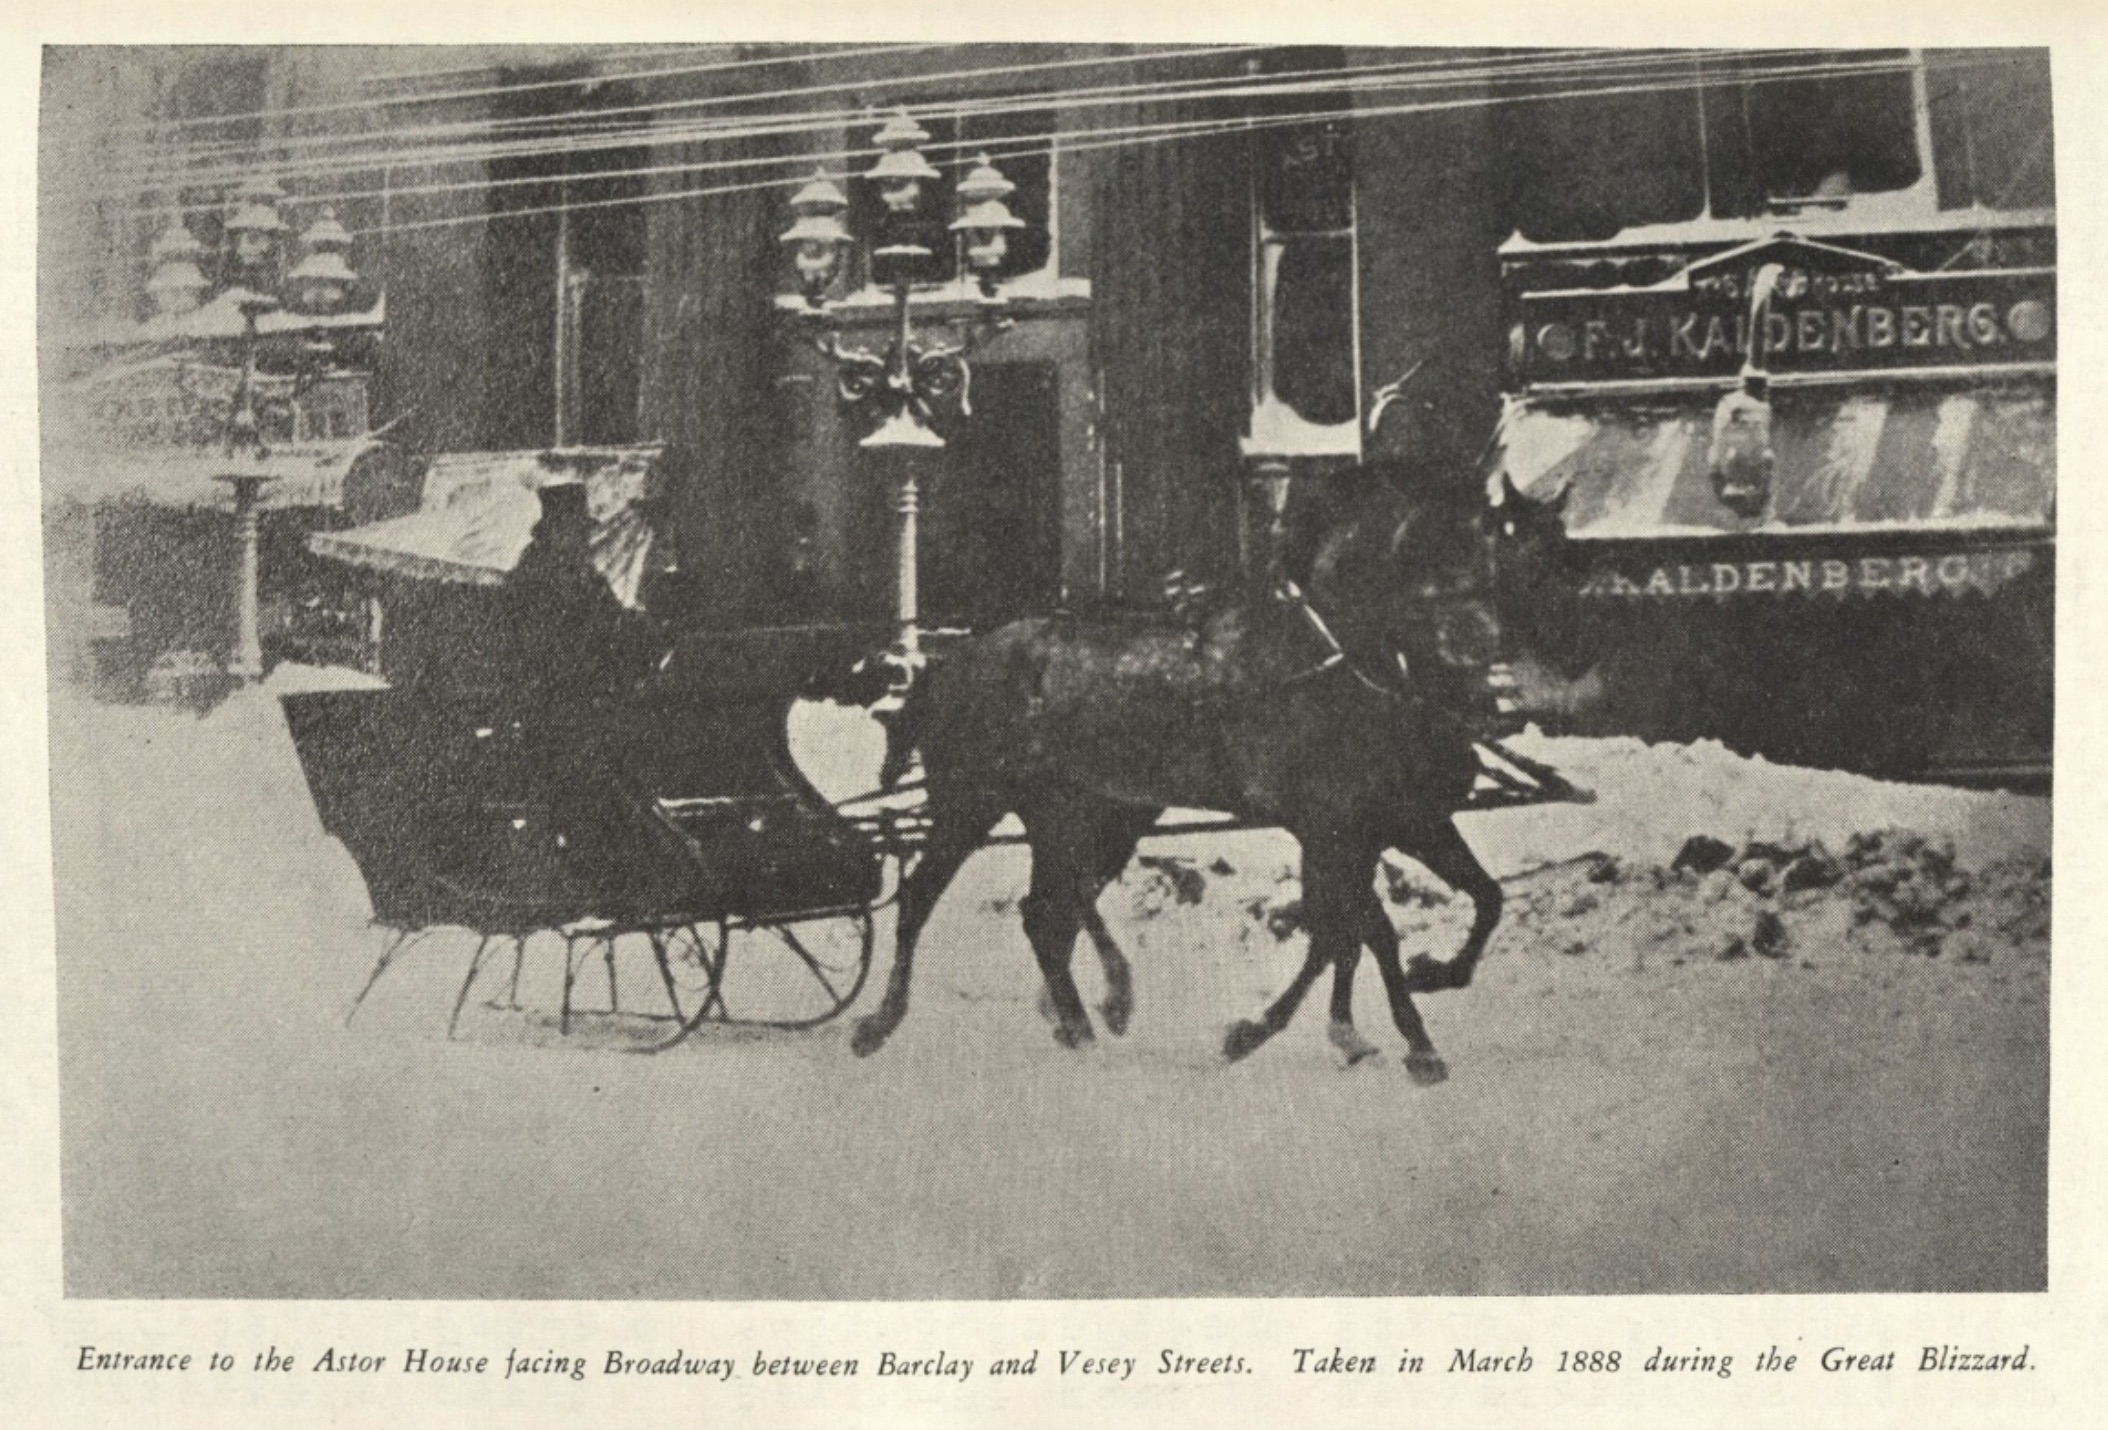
1312, 299
1746, 137
1305, 397
1820, 138
1991, 128
1585, 168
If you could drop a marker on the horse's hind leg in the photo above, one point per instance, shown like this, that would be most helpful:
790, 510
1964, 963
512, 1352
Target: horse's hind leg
1116, 847
957, 827
1450, 859
1422, 1062
1064, 865
1119, 1005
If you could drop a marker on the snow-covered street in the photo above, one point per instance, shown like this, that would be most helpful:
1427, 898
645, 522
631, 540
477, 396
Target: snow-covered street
1820, 1066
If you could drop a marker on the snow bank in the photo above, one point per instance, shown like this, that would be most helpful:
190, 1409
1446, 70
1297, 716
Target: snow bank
1651, 798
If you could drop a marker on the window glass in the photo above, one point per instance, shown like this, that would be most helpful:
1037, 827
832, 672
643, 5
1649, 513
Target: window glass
605, 231
562, 268
1303, 197
1313, 328
1585, 168
1736, 138
216, 101
1306, 177
1831, 136
1991, 128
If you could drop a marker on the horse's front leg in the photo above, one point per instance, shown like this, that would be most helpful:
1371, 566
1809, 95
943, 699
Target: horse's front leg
1450, 859
1332, 915
1341, 1030
1122, 831
1422, 1062
954, 836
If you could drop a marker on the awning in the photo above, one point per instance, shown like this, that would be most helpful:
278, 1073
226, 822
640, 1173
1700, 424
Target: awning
1939, 461
480, 508
312, 474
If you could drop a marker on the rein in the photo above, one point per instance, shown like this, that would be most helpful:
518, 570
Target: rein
1336, 657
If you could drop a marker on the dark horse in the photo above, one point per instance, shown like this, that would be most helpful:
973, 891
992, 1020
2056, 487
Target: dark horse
1345, 716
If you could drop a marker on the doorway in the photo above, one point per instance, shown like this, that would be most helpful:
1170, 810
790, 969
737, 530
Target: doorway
991, 524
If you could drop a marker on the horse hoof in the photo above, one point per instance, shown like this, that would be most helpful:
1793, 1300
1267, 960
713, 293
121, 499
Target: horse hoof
1116, 1012
1243, 1038
1357, 1048
1074, 1037
870, 1035
1047, 1010
1426, 1069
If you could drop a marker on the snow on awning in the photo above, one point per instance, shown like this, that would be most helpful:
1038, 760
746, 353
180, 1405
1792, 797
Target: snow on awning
221, 319
1977, 460
311, 474
480, 508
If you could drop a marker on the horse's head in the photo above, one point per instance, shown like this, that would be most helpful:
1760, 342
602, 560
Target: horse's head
1537, 584
1455, 583
1407, 571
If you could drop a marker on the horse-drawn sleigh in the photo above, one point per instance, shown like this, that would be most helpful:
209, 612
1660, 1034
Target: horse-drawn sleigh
1347, 702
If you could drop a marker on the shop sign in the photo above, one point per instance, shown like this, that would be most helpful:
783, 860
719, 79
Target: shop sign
1950, 573
1833, 310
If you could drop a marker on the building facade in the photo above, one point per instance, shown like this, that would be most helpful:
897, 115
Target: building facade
1244, 271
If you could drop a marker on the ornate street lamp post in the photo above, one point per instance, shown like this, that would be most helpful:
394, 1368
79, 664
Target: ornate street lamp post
255, 275
911, 379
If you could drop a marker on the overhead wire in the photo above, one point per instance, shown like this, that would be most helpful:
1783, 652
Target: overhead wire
941, 76
1072, 140
600, 55
1102, 137
584, 119
658, 110
824, 121
597, 79
526, 86
1119, 136
1370, 78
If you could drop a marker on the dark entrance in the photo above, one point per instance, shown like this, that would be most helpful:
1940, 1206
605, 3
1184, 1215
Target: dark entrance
991, 524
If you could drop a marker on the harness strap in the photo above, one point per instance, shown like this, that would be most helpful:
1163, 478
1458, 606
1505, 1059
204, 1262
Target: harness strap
1291, 594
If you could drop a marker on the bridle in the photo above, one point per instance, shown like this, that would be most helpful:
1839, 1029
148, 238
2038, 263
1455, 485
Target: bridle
1398, 684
